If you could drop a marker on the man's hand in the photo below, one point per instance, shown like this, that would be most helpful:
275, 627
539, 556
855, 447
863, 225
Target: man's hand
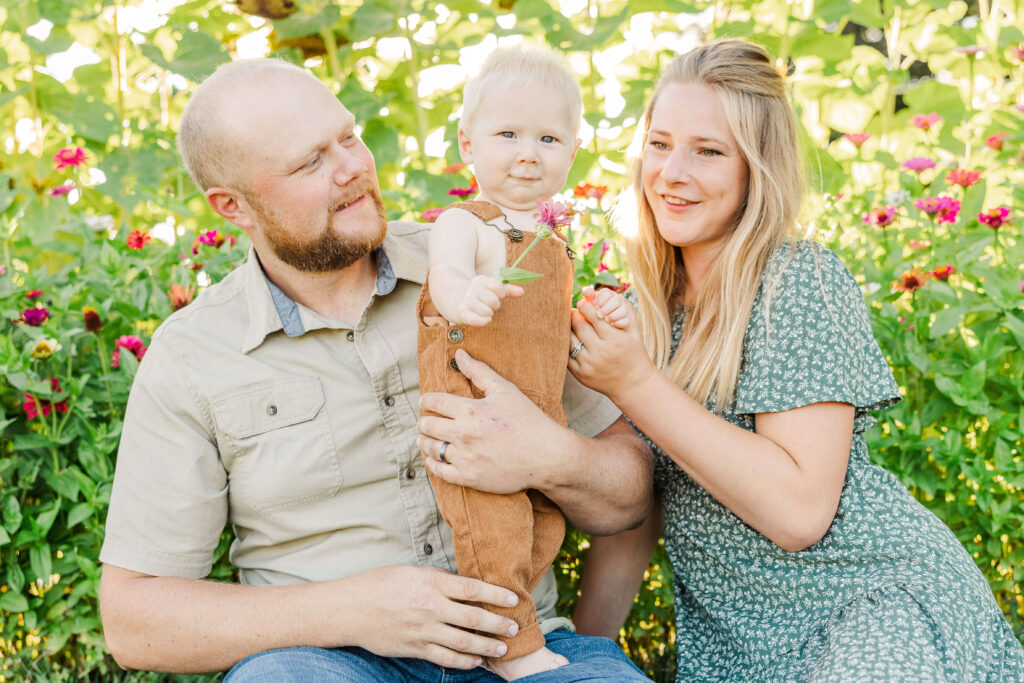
502, 443
414, 611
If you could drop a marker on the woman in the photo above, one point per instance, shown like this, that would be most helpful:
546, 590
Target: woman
794, 557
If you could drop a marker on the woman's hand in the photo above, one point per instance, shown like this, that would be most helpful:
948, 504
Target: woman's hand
611, 360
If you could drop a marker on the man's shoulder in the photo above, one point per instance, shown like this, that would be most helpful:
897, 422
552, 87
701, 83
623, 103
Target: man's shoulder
406, 249
217, 308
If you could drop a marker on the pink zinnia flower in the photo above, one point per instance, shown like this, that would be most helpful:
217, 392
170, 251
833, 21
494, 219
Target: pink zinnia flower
948, 211
464, 191
995, 218
918, 164
130, 342
3, 270
963, 177
1020, 108
212, 238
925, 121
996, 141
430, 215
60, 190
943, 272
138, 239
35, 316
971, 50
1017, 52
34, 293
69, 156
33, 407
929, 205
881, 216
553, 215
920, 246
857, 139
453, 168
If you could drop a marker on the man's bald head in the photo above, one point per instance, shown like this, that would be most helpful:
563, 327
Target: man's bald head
213, 137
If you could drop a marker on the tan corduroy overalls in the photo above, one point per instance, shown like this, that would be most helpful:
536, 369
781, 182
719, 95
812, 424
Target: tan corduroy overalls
507, 540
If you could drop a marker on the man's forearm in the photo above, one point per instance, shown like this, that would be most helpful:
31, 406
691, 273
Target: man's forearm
604, 484
181, 625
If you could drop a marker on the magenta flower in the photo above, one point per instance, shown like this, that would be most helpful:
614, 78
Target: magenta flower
465, 191
996, 141
552, 214
995, 218
34, 293
1017, 53
943, 209
857, 139
69, 156
881, 217
963, 177
925, 121
430, 215
130, 342
32, 407
918, 164
35, 316
60, 190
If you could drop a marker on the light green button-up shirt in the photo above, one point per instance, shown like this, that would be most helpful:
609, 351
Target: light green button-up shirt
301, 432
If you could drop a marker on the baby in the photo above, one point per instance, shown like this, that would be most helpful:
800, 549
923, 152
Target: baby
520, 118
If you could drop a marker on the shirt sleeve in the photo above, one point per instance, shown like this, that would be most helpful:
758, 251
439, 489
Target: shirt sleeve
589, 412
168, 505
809, 340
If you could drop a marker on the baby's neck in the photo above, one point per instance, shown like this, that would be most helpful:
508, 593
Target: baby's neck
519, 218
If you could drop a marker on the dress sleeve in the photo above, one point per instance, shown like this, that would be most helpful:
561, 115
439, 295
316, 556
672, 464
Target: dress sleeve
809, 340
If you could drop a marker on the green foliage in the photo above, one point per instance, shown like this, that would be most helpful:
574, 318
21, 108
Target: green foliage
860, 66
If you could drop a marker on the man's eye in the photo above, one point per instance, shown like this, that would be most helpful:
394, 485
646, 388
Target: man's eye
313, 163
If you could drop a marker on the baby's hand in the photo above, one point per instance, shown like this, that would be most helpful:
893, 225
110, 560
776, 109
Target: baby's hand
482, 297
611, 306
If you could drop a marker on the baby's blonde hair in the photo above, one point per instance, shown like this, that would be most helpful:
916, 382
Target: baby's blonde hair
206, 140
522, 67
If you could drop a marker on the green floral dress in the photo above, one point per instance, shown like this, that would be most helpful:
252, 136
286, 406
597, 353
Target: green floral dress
888, 593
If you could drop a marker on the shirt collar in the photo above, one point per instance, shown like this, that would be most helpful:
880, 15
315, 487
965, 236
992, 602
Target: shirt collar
270, 309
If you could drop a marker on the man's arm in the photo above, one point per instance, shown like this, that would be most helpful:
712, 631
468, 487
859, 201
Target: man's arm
182, 625
504, 443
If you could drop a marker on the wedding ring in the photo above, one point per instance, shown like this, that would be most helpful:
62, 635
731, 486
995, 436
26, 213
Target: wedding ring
440, 454
576, 350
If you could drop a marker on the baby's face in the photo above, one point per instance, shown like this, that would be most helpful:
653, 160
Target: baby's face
521, 143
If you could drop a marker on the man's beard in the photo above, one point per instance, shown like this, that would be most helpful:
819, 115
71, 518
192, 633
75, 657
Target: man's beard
327, 251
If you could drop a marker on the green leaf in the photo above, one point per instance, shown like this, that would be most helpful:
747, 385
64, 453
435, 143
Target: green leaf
13, 602
80, 513
302, 24
40, 560
516, 276
197, 56
973, 381
945, 320
372, 20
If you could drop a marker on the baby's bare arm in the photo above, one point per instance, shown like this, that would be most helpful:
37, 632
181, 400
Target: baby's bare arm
460, 293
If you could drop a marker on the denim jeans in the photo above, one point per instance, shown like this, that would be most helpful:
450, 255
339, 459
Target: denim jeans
590, 659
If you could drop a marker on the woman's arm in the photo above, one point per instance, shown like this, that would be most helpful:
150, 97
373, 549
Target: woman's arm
612, 573
784, 479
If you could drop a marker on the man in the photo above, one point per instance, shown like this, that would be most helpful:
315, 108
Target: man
284, 400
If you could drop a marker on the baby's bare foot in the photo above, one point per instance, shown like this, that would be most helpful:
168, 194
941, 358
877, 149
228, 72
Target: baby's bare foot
527, 665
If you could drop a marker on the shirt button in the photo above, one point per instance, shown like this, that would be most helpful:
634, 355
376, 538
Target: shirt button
428, 549
350, 336
389, 401
410, 473
455, 335
453, 365
271, 409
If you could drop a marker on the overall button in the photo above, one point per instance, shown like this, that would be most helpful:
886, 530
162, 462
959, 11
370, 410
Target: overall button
428, 549
455, 335
350, 336
410, 473
271, 409
453, 365
389, 401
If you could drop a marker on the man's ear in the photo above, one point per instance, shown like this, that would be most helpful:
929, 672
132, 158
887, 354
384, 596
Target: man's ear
465, 148
228, 204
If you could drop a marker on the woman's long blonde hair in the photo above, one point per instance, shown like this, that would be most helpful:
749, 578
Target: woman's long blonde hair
754, 96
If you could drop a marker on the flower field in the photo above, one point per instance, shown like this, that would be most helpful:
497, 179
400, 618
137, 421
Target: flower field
912, 115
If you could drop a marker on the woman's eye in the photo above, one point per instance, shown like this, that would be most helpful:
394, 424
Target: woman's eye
658, 145
710, 152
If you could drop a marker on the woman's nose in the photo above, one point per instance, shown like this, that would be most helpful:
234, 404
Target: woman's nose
677, 168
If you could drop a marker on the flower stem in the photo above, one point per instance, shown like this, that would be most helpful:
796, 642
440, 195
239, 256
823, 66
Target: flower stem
526, 251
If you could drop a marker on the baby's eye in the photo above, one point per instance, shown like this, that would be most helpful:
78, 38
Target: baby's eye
548, 138
507, 134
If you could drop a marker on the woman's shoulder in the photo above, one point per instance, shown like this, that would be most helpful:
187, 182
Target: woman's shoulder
806, 268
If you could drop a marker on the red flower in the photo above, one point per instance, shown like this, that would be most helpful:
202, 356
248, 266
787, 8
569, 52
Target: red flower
590, 191
138, 239
34, 293
996, 141
881, 216
925, 121
918, 164
943, 272
857, 139
995, 218
35, 316
963, 177
91, 319
33, 407
464, 191
130, 342
453, 168
61, 190
69, 156
181, 296
430, 215
911, 280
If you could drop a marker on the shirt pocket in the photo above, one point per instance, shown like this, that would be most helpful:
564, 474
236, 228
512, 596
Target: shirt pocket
277, 444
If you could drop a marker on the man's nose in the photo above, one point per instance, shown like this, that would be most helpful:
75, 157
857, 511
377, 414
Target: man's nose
347, 165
